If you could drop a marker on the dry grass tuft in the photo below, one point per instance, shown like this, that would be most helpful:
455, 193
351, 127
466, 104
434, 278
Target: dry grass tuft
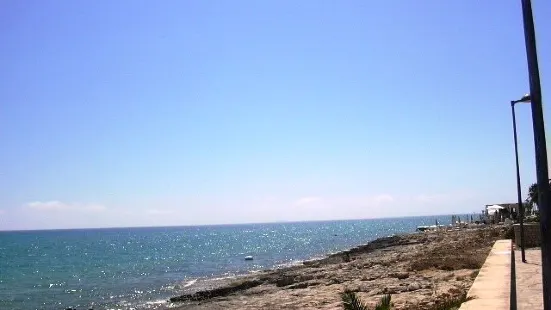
460, 253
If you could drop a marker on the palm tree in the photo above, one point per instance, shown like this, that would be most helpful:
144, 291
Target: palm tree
351, 301
532, 199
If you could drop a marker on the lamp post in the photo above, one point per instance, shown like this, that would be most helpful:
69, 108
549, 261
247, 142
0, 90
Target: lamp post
525, 98
541, 150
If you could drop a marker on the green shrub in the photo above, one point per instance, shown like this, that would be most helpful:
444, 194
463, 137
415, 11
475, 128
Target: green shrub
509, 233
351, 301
445, 303
451, 303
532, 218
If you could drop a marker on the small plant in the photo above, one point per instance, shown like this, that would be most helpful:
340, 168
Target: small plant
451, 303
509, 233
384, 304
351, 301
445, 302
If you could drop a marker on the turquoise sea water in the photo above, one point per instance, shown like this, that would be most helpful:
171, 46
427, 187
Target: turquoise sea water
139, 268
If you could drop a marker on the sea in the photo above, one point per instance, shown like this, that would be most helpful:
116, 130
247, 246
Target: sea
141, 268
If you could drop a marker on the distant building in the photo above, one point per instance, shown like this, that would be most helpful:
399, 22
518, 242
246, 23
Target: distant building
506, 207
503, 210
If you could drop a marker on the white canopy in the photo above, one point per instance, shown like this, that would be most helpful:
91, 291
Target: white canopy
493, 208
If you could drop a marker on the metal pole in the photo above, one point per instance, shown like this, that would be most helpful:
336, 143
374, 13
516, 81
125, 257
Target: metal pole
513, 295
519, 193
541, 151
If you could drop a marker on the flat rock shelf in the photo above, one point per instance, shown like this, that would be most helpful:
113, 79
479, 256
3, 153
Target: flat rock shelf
419, 270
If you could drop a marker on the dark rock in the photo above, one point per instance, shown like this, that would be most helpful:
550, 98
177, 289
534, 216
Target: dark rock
400, 275
305, 277
315, 283
346, 257
217, 292
285, 280
311, 263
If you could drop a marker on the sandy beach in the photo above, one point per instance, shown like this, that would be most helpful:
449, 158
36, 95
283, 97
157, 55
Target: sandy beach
418, 269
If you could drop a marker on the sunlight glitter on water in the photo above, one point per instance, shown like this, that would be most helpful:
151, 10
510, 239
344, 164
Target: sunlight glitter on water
144, 266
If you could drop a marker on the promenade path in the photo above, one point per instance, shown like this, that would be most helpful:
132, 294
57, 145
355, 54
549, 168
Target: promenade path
529, 281
491, 289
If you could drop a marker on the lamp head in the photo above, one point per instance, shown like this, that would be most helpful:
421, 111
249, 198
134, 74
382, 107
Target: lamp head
525, 98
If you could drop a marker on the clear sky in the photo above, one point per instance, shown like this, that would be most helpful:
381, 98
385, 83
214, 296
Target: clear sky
144, 113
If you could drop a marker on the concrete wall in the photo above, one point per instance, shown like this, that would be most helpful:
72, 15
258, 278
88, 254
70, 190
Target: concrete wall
532, 235
491, 289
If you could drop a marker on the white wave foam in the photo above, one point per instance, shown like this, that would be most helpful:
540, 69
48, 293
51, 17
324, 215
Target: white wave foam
156, 302
190, 283
290, 264
222, 278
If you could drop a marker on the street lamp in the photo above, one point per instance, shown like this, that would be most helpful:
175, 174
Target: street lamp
544, 202
525, 98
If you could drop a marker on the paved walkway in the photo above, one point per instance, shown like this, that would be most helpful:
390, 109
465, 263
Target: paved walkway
491, 287
529, 281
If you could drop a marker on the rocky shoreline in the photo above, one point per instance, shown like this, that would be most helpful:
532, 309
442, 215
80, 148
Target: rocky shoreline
418, 269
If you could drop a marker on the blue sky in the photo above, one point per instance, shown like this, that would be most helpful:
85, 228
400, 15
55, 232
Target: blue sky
142, 113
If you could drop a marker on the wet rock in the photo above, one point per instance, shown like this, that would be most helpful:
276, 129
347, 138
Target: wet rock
217, 292
382, 266
285, 280
311, 263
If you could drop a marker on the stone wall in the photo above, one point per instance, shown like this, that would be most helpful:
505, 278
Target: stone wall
532, 235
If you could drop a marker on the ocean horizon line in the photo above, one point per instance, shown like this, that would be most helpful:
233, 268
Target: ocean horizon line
228, 224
